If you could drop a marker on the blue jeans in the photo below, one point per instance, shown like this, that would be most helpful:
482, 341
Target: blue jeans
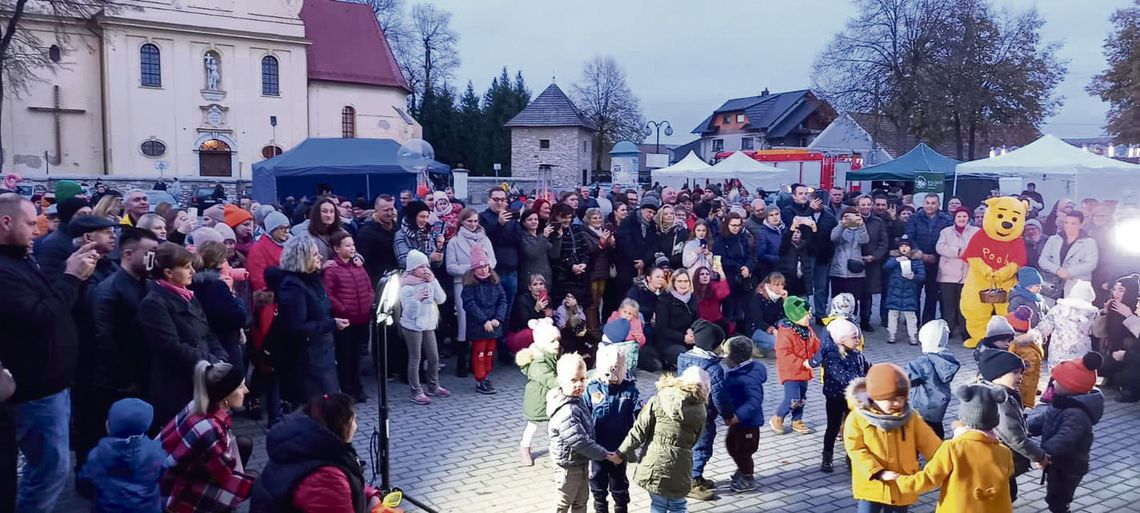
820, 298
795, 393
764, 341
659, 504
702, 452
874, 507
42, 432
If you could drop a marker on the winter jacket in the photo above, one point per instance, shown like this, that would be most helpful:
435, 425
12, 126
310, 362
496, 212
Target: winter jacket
673, 319
1080, 261
225, 313
1028, 348
840, 367
574, 249
635, 239
734, 254
307, 326
571, 431
930, 375
754, 224
121, 356
1068, 326
408, 237
264, 254
797, 260
693, 255
668, 427
504, 238
768, 244
457, 258
848, 246
349, 290
523, 310
646, 299
925, 230
124, 473
902, 293
708, 307
201, 472
719, 399
540, 369
601, 255
1033, 251
973, 471
877, 247
1012, 430
952, 267
671, 243
421, 314
792, 351
745, 386
876, 442
821, 245
1066, 430
376, 244
763, 312
52, 251
1019, 296
535, 253
615, 408
483, 301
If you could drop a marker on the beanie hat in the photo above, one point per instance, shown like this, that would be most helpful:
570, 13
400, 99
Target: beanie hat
1021, 319
738, 349
841, 328
204, 234
707, 336
651, 202
67, 189
661, 261
68, 208
1028, 277
129, 417
978, 405
796, 308
261, 212
1033, 222
616, 330
1078, 376
412, 210
903, 241
545, 335
610, 364
887, 380
1082, 291
229, 382
695, 375
934, 336
216, 212
998, 329
235, 215
843, 305
415, 259
274, 221
226, 231
479, 257
993, 364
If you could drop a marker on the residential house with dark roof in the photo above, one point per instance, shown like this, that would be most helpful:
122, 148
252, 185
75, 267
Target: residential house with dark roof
790, 119
552, 138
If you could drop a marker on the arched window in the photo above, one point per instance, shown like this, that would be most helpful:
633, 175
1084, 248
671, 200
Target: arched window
348, 122
270, 85
150, 65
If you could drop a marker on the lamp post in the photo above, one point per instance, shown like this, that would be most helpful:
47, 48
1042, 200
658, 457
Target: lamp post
656, 125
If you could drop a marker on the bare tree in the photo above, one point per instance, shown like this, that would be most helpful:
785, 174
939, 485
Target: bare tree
606, 100
393, 21
430, 49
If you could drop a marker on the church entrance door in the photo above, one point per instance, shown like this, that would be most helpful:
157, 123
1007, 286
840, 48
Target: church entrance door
214, 158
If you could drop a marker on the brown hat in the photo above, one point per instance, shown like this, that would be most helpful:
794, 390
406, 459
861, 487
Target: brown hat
887, 380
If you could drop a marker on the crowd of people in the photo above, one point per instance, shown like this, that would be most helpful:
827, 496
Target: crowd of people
133, 330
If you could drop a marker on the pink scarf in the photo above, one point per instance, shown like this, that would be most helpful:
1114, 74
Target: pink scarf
182, 292
410, 279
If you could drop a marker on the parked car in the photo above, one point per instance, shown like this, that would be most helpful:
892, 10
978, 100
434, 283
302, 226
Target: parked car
154, 197
203, 198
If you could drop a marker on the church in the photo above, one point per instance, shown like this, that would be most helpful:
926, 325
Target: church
201, 89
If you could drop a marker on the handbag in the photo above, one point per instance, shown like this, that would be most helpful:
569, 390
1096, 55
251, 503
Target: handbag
855, 266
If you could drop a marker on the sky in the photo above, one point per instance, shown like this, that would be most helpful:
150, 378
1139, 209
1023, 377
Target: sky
683, 58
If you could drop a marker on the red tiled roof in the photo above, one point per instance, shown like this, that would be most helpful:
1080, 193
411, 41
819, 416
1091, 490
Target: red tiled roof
348, 45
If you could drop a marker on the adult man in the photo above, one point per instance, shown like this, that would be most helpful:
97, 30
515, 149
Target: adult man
571, 199
631, 198
874, 254
38, 345
669, 196
835, 200
405, 198
924, 228
376, 239
824, 249
615, 193
503, 230
882, 208
636, 235
755, 222
1031, 192
799, 205
246, 204
134, 206
953, 203
51, 251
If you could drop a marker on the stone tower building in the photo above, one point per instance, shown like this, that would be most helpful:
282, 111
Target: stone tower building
552, 132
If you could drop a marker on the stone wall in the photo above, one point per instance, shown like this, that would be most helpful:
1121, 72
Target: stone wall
478, 187
569, 153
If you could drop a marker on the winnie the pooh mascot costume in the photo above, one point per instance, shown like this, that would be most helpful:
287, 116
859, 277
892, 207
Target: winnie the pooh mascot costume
994, 255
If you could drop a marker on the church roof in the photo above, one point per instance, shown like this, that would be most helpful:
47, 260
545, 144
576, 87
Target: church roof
348, 45
551, 109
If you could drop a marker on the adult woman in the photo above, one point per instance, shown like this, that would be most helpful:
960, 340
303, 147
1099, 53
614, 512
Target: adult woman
205, 471
600, 243
307, 325
537, 247
769, 240
676, 311
543, 208
698, 249
175, 327
179, 224
155, 223
241, 221
797, 255
313, 466
847, 269
621, 211
1062, 207
571, 267
324, 221
737, 264
350, 292
458, 260
1068, 256
670, 237
534, 303
416, 233
952, 241
224, 313
1109, 326
709, 294
110, 206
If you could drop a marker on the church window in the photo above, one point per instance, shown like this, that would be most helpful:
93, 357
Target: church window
584, 143
544, 144
270, 151
270, 85
150, 65
54, 53
348, 122
153, 148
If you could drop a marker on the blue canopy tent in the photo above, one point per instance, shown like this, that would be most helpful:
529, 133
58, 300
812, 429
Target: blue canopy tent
920, 159
349, 166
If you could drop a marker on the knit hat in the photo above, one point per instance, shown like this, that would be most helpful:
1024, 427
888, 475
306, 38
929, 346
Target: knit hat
1021, 319
841, 328
479, 257
843, 305
224, 387
661, 261
934, 336
1082, 291
651, 202
413, 209
796, 308
616, 330
610, 363
274, 221
978, 405
415, 259
695, 375
1028, 277
998, 329
887, 380
544, 333
1033, 222
738, 349
707, 336
67, 189
216, 212
129, 417
68, 208
226, 231
261, 212
1078, 376
903, 241
235, 215
993, 364
203, 234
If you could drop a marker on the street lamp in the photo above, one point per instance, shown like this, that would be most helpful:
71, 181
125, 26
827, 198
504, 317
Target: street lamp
657, 127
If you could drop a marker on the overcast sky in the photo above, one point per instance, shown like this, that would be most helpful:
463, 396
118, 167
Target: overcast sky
684, 58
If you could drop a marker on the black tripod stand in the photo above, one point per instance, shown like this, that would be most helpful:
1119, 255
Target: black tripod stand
389, 286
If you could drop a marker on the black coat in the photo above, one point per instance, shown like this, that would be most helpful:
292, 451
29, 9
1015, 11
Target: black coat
523, 310
632, 244
225, 313
122, 357
573, 250
671, 243
795, 258
877, 247
763, 313
378, 247
307, 326
297, 447
673, 319
504, 238
52, 251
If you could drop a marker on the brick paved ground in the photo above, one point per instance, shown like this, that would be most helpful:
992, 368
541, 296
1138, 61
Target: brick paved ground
460, 454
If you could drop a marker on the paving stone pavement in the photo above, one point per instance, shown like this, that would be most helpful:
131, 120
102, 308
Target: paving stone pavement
460, 454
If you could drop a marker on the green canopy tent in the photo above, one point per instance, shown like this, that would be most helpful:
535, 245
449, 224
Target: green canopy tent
921, 159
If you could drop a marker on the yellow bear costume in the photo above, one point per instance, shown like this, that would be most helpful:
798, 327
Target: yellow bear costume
994, 255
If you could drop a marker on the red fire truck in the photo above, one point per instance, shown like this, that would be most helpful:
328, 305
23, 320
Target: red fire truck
813, 168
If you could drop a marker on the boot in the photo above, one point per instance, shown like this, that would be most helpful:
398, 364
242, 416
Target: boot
699, 493
462, 358
621, 501
601, 506
777, 425
799, 427
825, 464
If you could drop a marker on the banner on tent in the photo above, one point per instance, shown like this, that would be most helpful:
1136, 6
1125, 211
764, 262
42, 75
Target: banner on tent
928, 183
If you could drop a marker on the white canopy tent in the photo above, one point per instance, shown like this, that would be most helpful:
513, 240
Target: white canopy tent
751, 173
684, 169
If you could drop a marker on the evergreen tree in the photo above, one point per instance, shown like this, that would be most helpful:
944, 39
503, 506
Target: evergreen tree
471, 137
502, 101
439, 120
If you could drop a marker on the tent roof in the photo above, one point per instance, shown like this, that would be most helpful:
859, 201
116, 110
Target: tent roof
920, 159
1048, 155
691, 162
740, 162
343, 156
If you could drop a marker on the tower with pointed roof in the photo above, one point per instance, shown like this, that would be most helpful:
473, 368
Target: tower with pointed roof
551, 131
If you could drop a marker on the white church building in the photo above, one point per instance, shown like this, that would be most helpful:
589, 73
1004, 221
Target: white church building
202, 88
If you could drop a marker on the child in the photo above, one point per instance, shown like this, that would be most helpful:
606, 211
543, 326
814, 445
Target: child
1027, 346
1003, 370
571, 432
669, 426
350, 291
1069, 324
615, 402
931, 373
1027, 293
420, 297
905, 275
122, 472
765, 310
883, 433
539, 364
631, 311
972, 469
999, 336
842, 362
707, 337
617, 333
842, 307
486, 307
570, 319
796, 343
745, 380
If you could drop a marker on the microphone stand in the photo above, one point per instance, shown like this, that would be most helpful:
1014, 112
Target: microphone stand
389, 287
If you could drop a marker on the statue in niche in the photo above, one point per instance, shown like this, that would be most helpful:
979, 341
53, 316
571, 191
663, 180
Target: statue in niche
213, 77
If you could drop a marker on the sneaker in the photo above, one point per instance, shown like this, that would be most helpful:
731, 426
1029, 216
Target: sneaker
441, 366
777, 425
743, 483
799, 427
866, 327
913, 342
707, 484
438, 391
490, 386
890, 340
700, 494
418, 397
526, 459
483, 388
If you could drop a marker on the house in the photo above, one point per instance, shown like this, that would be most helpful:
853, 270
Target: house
846, 136
769, 120
883, 131
551, 139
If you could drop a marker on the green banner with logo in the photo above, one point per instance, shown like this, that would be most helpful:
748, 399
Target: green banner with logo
928, 183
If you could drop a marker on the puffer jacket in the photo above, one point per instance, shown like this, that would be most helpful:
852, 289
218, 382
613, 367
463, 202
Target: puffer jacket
483, 301
734, 254
925, 230
951, 266
745, 385
792, 351
571, 431
615, 407
902, 293
350, 291
1066, 430
848, 246
540, 369
764, 312
669, 426
1013, 431
768, 243
840, 365
124, 473
719, 399
1020, 296
421, 314
930, 375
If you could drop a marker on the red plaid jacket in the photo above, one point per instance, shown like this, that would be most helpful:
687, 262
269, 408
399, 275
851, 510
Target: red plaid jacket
201, 473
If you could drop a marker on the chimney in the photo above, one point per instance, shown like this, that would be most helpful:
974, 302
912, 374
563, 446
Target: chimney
764, 92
